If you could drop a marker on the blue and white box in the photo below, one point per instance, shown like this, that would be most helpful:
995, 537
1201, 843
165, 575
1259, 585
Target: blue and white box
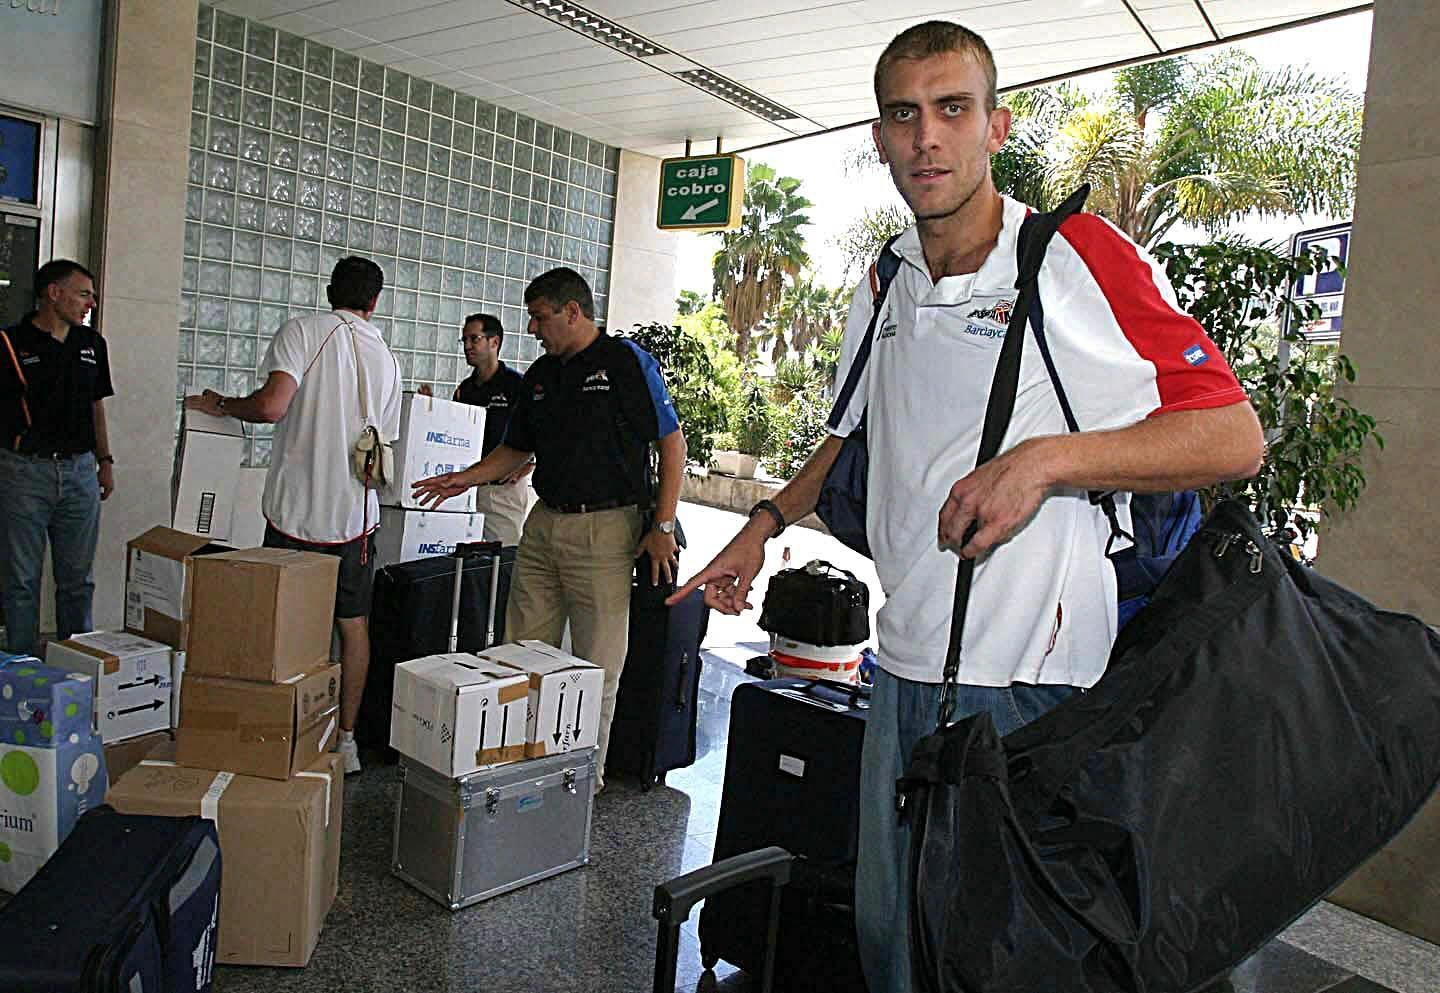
41, 705
435, 436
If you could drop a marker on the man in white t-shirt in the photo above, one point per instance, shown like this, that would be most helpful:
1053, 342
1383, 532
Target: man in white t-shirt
327, 376
1158, 407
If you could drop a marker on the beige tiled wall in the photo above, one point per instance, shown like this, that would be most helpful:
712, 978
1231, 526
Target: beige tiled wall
138, 233
642, 275
1386, 549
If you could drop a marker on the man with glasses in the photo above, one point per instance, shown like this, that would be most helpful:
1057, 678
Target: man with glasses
495, 386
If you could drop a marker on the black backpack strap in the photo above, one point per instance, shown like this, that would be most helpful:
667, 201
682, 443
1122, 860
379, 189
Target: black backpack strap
1034, 239
1030, 264
882, 274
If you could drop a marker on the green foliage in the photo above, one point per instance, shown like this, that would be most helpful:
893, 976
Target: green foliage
756, 260
690, 376
752, 419
860, 243
799, 430
689, 302
1315, 439
1227, 138
795, 375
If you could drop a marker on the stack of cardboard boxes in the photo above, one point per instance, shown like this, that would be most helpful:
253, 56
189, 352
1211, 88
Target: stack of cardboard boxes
512, 725
259, 710
436, 436
52, 769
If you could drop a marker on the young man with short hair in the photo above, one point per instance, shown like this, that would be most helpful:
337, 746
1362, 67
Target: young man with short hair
1159, 407
55, 460
327, 376
495, 386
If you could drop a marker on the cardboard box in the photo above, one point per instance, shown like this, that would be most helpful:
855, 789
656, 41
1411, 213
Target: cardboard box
132, 680
43, 790
247, 524
435, 436
262, 613
563, 711
406, 535
258, 729
123, 756
280, 842
41, 705
457, 713
207, 474
157, 570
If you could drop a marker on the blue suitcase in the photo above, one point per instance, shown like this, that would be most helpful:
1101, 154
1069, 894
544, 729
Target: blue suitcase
127, 903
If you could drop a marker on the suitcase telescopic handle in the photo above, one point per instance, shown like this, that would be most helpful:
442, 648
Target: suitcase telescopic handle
674, 900
465, 550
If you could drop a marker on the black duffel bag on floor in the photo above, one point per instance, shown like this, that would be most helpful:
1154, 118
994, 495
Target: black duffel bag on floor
1259, 733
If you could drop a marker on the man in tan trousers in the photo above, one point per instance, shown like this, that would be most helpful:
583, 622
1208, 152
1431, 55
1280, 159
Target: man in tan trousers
589, 408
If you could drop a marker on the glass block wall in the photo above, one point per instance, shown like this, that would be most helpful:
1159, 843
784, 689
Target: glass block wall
300, 154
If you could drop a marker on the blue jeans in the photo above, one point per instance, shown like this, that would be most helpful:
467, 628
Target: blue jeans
58, 498
901, 713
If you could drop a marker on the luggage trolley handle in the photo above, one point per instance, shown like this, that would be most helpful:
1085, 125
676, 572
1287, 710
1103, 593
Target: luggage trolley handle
674, 900
466, 550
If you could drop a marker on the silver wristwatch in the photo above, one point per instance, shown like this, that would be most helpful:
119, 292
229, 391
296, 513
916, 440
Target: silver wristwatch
665, 527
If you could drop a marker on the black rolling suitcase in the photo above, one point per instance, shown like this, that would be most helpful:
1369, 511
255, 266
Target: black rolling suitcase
127, 903
792, 779
412, 616
654, 726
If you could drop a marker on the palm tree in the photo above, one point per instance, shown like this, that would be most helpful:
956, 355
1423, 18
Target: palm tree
1230, 139
806, 310
756, 259
688, 302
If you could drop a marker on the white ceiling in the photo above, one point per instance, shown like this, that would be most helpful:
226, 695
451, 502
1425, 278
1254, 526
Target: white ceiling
811, 57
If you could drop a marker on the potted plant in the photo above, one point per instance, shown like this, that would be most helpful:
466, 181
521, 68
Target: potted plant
724, 457
753, 424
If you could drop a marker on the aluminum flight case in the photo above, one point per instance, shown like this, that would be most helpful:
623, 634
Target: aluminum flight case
460, 841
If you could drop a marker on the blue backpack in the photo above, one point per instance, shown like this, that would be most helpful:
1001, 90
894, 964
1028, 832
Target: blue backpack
1162, 523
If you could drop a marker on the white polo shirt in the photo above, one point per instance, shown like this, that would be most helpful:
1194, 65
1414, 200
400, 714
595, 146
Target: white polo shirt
310, 491
1042, 608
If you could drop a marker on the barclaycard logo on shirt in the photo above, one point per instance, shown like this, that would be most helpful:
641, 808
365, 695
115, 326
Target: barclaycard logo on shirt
999, 313
87, 355
448, 439
989, 323
597, 380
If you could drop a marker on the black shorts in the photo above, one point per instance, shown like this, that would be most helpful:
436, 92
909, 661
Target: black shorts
355, 583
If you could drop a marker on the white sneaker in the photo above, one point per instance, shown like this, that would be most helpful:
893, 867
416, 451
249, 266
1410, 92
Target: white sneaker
349, 751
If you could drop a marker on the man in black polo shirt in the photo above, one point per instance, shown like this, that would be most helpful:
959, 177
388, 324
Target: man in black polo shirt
589, 409
55, 462
495, 386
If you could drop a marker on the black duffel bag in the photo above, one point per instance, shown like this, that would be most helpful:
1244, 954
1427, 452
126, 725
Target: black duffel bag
818, 603
1258, 734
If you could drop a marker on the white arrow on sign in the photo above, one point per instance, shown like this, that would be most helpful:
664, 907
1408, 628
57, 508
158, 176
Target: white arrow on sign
699, 209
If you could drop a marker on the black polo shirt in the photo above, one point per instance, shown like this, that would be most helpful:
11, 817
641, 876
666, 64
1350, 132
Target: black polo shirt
498, 396
590, 419
62, 382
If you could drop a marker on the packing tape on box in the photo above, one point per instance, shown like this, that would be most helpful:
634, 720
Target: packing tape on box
328, 780
210, 802
325, 738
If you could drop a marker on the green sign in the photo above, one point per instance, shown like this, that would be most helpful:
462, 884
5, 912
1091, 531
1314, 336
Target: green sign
701, 194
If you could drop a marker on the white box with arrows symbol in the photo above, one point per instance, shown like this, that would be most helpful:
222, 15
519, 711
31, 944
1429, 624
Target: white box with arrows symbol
564, 706
132, 680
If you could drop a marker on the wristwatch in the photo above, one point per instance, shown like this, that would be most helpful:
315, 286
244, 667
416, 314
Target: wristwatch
665, 527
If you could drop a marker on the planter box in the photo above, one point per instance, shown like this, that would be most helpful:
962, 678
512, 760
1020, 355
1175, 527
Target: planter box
735, 464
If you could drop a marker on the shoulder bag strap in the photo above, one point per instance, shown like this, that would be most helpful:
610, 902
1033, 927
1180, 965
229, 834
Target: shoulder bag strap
882, 273
1035, 233
24, 388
